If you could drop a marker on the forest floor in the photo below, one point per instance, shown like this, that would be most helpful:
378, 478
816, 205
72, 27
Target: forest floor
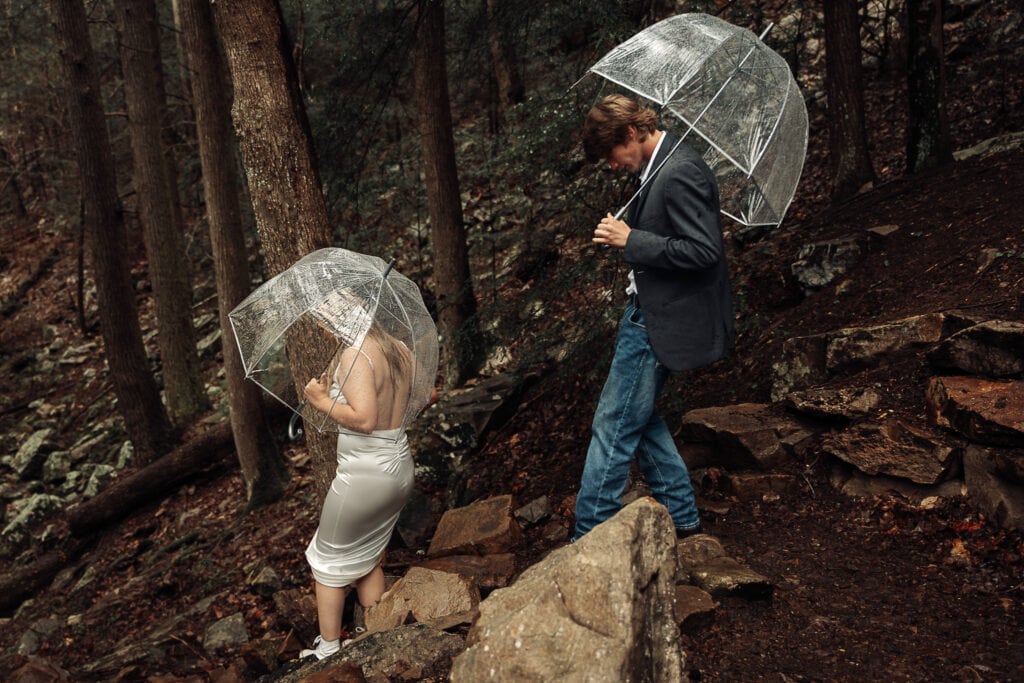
866, 589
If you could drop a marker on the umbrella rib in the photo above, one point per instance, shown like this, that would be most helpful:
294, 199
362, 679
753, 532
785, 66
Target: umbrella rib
693, 126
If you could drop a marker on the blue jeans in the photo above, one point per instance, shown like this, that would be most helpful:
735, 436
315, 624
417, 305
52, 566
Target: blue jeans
624, 424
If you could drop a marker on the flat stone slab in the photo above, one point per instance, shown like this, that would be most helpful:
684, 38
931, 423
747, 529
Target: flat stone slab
724, 576
893, 448
488, 571
695, 608
482, 528
427, 596
994, 348
988, 412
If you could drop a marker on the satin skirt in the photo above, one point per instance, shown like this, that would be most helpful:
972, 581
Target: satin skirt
372, 484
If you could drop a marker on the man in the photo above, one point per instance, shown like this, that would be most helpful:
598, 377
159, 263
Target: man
678, 315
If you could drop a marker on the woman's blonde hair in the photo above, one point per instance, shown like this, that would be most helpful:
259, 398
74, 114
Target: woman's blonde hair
608, 124
396, 355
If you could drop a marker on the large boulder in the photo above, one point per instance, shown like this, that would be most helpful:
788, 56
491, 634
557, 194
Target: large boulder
600, 609
427, 596
985, 411
485, 527
742, 436
995, 483
994, 348
811, 360
893, 447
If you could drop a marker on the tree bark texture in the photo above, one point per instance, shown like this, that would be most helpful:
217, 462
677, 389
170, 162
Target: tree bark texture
277, 153
848, 143
138, 398
263, 468
928, 137
460, 333
506, 71
156, 198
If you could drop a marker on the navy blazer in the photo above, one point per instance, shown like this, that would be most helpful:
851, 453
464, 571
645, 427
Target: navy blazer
677, 253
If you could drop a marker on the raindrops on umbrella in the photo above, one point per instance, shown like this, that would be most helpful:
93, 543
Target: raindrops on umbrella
347, 296
731, 97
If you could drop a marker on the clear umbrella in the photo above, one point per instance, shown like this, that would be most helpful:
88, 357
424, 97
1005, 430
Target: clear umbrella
737, 95
344, 296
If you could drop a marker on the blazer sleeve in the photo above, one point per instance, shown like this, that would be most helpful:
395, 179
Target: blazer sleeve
691, 238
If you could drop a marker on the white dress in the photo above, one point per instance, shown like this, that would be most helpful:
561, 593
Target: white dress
371, 486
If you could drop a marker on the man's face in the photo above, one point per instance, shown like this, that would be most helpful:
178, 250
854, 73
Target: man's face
628, 156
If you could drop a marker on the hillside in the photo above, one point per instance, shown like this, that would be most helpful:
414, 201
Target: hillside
867, 589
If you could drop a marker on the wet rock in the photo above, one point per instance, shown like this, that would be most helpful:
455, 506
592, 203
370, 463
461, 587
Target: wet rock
260, 656
995, 485
38, 670
481, 528
265, 582
226, 632
56, 467
694, 551
31, 456
100, 477
856, 347
755, 486
892, 447
344, 672
599, 609
743, 436
535, 511
408, 653
846, 403
695, 608
17, 534
485, 405
994, 349
724, 576
802, 365
988, 412
883, 230
810, 360
819, 264
297, 609
487, 571
38, 633
855, 484
427, 596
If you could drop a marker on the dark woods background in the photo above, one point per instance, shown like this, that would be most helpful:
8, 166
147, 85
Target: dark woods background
489, 213
159, 159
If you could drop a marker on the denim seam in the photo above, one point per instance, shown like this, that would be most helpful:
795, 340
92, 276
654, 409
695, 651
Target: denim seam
619, 422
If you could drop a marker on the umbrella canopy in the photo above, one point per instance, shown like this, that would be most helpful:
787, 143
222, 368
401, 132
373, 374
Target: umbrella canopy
349, 296
739, 96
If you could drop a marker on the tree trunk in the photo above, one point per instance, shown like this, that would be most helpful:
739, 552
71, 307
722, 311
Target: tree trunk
848, 144
157, 204
291, 216
460, 332
263, 468
138, 398
928, 138
506, 72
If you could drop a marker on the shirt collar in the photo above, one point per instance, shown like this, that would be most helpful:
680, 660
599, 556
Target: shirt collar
654, 155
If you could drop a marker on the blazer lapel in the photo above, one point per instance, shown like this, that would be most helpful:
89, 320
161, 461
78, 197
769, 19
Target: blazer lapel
638, 204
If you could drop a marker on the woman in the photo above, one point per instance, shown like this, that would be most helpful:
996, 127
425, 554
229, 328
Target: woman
373, 480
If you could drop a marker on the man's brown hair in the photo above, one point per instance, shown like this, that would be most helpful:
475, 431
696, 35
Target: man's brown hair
608, 125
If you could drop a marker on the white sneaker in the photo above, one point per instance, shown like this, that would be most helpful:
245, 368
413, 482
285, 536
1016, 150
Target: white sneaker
321, 648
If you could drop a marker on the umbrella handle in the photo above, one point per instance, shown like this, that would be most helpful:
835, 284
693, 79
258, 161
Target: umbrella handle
294, 428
